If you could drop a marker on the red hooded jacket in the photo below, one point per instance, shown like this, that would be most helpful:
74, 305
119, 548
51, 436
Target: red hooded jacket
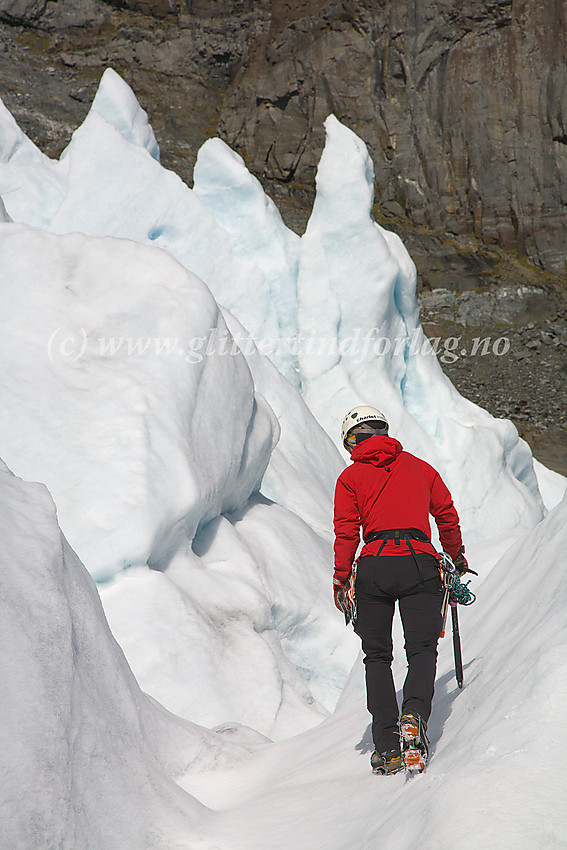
387, 488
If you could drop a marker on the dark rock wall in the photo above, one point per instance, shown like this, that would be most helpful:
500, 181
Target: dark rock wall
53, 14
463, 105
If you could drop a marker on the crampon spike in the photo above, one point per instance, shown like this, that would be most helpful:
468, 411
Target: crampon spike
414, 760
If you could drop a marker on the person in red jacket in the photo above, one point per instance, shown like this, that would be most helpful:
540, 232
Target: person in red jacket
390, 494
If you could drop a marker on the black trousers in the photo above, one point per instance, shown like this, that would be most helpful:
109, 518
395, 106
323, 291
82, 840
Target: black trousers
379, 583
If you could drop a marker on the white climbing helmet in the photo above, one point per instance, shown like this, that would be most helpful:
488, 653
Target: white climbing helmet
358, 415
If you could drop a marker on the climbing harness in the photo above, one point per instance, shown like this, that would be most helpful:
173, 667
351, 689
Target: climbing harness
398, 534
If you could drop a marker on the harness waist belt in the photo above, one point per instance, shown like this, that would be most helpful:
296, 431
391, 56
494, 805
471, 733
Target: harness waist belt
397, 534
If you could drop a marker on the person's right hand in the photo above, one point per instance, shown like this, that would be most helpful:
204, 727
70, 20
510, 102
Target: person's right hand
337, 587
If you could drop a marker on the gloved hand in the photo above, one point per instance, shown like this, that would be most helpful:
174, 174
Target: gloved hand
337, 587
461, 563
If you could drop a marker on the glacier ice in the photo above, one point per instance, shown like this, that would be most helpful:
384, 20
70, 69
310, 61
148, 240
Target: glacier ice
107, 183
3, 214
256, 230
143, 440
116, 102
32, 185
88, 760
356, 289
85, 381
352, 332
174, 463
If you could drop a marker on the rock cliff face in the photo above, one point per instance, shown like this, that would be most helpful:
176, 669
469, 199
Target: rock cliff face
463, 105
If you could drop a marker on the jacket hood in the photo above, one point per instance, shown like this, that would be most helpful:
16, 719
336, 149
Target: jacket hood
379, 451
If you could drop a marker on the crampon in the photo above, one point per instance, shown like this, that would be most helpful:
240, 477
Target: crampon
386, 763
413, 743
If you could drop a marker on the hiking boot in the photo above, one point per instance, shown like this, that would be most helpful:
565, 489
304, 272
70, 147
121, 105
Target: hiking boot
386, 763
413, 742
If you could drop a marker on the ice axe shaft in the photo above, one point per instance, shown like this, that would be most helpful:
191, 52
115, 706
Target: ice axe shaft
457, 647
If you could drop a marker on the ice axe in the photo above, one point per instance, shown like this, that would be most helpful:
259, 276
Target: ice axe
455, 592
